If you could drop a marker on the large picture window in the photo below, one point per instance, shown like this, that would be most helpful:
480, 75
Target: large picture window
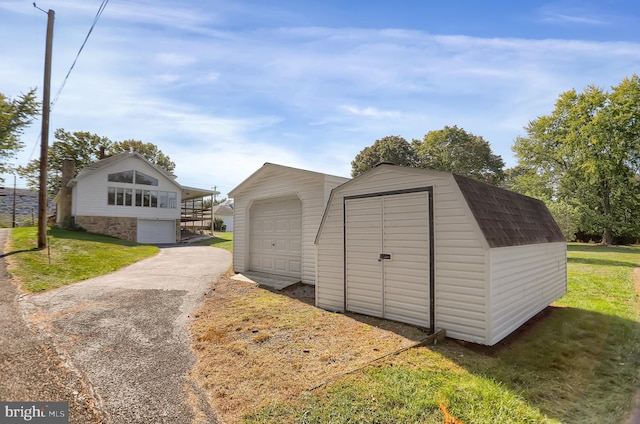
122, 196
144, 179
154, 199
128, 177
121, 177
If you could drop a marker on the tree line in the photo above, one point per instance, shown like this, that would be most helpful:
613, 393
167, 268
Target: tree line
582, 159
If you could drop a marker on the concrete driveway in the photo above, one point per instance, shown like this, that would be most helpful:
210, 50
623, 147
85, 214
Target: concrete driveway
127, 333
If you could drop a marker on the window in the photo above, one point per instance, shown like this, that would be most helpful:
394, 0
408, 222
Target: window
119, 196
145, 198
111, 196
153, 197
144, 179
123, 196
138, 197
163, 199
121, 177
173, 200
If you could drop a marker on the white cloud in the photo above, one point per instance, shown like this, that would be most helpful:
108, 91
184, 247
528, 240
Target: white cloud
223, 101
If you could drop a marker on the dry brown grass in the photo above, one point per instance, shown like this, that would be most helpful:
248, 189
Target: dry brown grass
254, 346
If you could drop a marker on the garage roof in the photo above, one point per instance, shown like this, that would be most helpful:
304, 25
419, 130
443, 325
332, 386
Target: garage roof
271, 168
507, 218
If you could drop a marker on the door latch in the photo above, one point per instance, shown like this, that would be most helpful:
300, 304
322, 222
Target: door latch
384, 256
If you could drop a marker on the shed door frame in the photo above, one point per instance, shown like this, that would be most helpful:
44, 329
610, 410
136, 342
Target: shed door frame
429, 190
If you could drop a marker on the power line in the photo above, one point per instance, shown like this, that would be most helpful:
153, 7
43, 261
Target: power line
95, 21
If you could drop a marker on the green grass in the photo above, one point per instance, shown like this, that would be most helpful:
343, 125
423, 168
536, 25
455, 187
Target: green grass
71, 256
577, 363
220, 239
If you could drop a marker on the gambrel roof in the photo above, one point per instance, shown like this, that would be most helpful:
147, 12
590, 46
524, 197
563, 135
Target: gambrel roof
507, 218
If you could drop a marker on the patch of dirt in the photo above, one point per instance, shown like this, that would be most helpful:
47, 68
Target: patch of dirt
256, 346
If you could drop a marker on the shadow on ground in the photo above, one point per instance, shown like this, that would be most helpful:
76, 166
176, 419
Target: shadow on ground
563, 356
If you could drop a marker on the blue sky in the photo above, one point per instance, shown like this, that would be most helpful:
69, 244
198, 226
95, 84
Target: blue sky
225, 86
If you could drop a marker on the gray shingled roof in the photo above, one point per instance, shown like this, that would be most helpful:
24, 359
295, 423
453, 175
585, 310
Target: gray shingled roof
223, 210
507, 218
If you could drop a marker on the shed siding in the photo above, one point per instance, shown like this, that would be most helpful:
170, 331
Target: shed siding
90, 193
330, 266
460, 266
461, 258
524, 281
308, 187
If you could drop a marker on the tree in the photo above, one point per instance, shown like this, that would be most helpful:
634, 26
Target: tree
454, 150
15, 116
148, 150
85, 148
588, 153
394, 149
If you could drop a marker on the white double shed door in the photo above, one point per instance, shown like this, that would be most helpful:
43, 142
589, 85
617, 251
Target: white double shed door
388, 256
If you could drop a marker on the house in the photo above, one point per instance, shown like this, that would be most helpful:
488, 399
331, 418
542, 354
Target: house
124, 196
439, 251
224, 211
277, 211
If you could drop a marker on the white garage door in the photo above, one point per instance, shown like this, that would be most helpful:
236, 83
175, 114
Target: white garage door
153, 231
387, 257
276, 236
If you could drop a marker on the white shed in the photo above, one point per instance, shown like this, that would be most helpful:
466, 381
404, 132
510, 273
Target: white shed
277, 211
439, 251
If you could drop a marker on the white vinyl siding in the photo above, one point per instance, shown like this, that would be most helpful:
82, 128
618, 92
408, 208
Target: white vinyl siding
274, 181
330, 265
524, 281
461, 261
91, 193
461, 254
227, 221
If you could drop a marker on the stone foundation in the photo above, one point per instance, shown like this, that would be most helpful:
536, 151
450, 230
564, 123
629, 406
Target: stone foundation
122, 228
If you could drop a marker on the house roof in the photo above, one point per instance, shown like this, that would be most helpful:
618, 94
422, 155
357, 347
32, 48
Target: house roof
223, 210
187, 193
272, 168
103, 163
507, 218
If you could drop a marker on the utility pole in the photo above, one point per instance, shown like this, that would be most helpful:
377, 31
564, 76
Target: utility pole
44, 142
215, 193
13, 215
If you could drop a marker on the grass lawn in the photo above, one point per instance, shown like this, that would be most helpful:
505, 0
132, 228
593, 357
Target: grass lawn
72, 256
577, 362
223, 240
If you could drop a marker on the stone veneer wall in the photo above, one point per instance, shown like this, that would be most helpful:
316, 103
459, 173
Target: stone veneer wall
122, 228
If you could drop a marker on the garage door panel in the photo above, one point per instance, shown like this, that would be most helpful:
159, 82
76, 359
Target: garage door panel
276, 236
153, 231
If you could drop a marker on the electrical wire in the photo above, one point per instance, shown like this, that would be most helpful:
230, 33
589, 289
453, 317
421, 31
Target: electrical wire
95, 21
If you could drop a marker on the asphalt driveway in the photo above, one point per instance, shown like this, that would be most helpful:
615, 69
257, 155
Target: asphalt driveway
127, 333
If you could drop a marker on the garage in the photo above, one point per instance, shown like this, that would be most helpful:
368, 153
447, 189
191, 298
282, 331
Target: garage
387, 241
276, 215
440, 251
276, 236
156, 231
